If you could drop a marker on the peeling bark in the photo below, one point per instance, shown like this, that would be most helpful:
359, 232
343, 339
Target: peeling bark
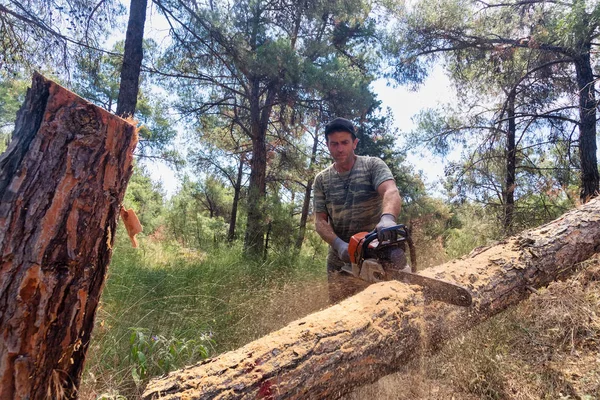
62, 180
374, 333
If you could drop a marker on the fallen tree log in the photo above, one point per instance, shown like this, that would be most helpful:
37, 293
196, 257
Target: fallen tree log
375, 332
62, 180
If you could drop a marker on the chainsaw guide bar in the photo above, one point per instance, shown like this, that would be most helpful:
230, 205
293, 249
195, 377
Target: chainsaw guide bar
374, 262
436, 289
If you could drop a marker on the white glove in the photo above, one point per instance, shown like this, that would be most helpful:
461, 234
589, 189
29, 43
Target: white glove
386, 221
341, 248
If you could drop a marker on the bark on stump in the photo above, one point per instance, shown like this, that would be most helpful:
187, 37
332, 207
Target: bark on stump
374, 333
62, 180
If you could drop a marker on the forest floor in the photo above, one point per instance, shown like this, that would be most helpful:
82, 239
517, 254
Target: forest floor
547, 347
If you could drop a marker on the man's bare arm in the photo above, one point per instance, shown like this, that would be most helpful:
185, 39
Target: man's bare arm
323, 228
391, 198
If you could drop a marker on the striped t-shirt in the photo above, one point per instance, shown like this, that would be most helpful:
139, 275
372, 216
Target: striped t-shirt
350, 199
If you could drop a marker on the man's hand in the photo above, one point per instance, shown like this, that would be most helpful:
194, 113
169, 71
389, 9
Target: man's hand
386, 221
341, 248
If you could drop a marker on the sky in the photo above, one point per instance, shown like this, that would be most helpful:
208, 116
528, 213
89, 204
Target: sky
405, 104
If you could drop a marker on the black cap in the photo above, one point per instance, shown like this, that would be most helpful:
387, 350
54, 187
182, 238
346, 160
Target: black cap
339, 125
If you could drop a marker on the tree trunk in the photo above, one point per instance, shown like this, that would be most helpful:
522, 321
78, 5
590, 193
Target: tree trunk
269, 229
375, 332
254, 243
304, 216
255, 230
236, 199
511, 163
132, 59
307, 194
62, 181
590, 179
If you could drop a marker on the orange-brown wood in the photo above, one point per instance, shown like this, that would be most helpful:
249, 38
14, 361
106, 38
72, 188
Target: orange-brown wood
62, 180
132, 224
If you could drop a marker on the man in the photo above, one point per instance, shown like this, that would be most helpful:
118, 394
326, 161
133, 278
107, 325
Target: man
354, 194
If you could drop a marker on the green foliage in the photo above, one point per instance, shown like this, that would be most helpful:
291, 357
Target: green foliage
165, 306
46, 34
146, 323
439, 132
12, 96
156, 127
545, 184
471, 225
97, 78
272, 59
377, 138
196, 214
541, 207
282, 226
341, 86
507, 63
4, 141
146, 198
427, 219
154, 355
434, 211
571, 26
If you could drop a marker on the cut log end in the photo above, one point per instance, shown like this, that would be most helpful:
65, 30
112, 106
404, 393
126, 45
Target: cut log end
62, 179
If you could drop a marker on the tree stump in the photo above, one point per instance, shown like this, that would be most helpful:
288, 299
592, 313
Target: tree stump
375, 332
62, 180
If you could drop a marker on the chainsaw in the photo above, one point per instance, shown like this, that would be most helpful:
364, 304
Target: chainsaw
375, 261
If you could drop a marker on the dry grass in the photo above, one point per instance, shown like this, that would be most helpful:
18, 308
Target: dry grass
290, 302
276, 306
186, 303
548, 347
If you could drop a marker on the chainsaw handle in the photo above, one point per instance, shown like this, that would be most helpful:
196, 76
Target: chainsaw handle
400, 229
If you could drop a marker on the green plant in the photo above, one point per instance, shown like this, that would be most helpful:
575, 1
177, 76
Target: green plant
158, 354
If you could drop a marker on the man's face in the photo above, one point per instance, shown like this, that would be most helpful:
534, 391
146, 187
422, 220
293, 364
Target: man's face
341, 146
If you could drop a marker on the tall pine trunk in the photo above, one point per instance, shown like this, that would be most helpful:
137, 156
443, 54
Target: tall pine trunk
236, 199
307, 193
62, 181
255, 229
511, 162
587, 126
132, 59
254, 243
